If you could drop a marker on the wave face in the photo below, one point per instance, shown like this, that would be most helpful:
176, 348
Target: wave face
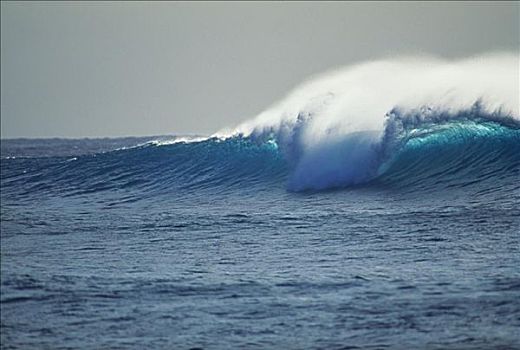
148, 170
404, 123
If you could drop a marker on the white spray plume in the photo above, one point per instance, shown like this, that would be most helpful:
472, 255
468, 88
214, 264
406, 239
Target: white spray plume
358, 97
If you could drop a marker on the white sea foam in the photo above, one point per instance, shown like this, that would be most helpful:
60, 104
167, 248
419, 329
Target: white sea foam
178, 139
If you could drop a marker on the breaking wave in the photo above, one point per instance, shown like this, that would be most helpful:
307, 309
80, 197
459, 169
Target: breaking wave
403, 123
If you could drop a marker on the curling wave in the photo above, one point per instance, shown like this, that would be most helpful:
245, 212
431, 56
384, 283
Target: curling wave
346, 127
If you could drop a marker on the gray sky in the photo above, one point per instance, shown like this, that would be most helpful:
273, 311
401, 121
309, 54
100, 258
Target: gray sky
115, 69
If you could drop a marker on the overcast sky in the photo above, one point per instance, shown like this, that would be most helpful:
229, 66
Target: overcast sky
115, 69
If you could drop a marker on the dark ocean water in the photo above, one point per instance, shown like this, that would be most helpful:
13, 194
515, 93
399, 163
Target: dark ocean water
218, 244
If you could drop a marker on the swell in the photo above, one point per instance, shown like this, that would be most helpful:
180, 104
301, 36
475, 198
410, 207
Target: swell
148, 170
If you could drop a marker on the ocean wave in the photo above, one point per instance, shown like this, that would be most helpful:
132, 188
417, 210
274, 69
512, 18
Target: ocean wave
341, 128
438, 151
401, 123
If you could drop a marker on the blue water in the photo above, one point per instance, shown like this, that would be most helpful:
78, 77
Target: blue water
238, 243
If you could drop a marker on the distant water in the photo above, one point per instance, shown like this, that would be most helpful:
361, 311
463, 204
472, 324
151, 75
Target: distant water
150, 243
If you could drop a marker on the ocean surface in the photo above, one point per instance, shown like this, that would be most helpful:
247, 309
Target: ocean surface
300, 234
138, 243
